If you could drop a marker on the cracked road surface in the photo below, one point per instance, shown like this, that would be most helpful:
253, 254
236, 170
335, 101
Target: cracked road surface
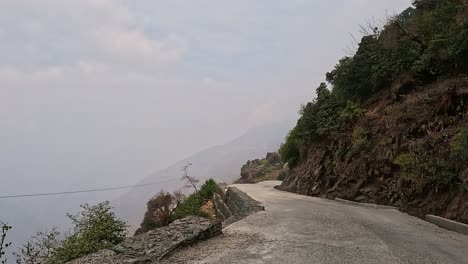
301, 229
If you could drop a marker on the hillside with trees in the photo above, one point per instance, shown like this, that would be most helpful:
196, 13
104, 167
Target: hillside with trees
390, 125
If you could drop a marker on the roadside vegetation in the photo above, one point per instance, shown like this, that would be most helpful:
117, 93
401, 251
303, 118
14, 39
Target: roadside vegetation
4, 245
267, 169
423, 43
94, 228
164, 208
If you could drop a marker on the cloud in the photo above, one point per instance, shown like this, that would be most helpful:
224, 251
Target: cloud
62, 33
137, 47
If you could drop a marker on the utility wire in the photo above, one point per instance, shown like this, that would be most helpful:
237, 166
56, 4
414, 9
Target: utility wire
85, 191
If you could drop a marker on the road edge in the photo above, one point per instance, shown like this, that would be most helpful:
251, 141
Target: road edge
448, 224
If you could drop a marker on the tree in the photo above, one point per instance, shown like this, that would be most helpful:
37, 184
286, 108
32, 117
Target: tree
159, 211
40, 248
3, 244
190, 182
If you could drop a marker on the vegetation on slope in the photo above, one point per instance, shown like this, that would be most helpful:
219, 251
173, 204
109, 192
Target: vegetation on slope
94, 228
165, 207
268, 168
424, 42
390, 129
4, 228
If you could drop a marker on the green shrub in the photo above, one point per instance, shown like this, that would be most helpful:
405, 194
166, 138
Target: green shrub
95, 228
351, 111
408, 163
360, 142
40, 248
3, 243
191, 205
208, 189
460, 146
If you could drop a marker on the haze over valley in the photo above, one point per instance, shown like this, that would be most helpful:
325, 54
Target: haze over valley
103, 93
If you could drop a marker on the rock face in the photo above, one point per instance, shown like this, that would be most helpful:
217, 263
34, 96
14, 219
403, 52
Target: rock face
156, 244
396, 154
258, 170
233, 204
240, 203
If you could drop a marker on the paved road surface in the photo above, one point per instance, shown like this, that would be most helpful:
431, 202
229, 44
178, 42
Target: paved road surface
301, 229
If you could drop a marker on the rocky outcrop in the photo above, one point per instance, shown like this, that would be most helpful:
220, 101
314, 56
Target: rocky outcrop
240, 203
265, 169
156, 244
233, 204
400, 153
222, 210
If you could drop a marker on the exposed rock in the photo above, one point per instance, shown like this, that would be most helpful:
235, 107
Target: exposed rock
258, 170
156, 244
221, 209
232, 204
240, 203
422, 121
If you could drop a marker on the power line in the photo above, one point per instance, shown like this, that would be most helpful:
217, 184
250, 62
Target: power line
84, 191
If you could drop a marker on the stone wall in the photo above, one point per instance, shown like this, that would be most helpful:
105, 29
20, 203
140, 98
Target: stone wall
233, 204
240, 203
221, 209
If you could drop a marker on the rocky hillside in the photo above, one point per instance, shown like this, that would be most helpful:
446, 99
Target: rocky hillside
393, 128
396, 153
257, 170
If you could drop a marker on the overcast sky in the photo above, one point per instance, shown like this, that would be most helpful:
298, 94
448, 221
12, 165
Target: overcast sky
100, 90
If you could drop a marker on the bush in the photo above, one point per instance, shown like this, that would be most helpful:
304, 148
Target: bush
3, 243
408, 163
95, 228
360, 143
40, 248
193, 203
460, 146
208, 189
442, 171
159, 211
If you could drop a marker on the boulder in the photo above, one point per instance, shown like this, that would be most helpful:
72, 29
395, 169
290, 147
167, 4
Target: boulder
156, 244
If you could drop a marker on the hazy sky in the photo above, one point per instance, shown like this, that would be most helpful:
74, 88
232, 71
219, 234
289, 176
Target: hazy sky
102, 92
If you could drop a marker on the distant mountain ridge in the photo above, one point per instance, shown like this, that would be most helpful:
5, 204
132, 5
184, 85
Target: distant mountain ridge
222, 162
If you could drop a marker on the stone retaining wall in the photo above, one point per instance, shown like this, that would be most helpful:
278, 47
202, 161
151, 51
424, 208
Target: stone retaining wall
240, 203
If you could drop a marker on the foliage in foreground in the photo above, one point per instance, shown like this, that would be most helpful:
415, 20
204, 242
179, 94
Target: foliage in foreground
3, 243
165, 207
193, 203
95, 228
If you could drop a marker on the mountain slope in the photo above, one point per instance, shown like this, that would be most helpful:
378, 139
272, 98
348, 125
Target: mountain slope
222, 163
394, 127
397, 153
